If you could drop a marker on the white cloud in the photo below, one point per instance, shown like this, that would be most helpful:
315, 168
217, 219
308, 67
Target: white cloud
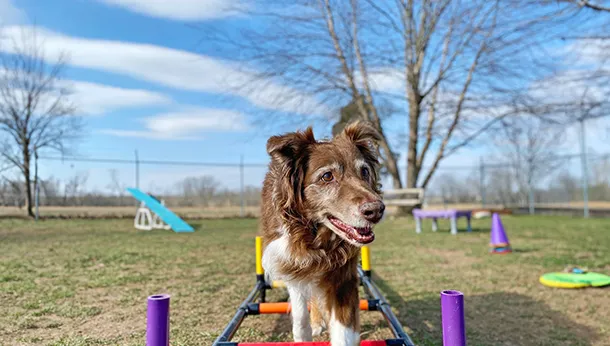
587, 52
184, 10
597, 134
10, 14
91, 98
197, 119
571, 86
170, 67
95, 99
186, 124
383, 79
146, 134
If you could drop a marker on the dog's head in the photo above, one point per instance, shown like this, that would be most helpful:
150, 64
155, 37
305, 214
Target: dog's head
331, 183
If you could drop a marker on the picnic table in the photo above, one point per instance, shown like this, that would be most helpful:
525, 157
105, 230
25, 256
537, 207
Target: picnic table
452, 214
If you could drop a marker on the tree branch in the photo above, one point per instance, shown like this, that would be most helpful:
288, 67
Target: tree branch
458, 111
590, 5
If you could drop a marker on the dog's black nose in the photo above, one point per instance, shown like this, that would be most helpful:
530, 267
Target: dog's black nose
372, 211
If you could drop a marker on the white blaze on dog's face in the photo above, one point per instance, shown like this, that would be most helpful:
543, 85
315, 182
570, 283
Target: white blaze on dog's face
340, 185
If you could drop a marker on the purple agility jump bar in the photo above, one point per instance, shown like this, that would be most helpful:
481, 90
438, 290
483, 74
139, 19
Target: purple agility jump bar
454, 325
157, 320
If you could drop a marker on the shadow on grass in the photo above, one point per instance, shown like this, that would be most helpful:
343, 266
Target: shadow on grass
499, 318
476, 230
460, 230
525, 250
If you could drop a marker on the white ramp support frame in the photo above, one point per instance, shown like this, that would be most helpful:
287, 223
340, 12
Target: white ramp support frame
146, 220
157, 209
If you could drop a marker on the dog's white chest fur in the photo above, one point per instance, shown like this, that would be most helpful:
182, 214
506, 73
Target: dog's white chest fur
276, 253
300, 292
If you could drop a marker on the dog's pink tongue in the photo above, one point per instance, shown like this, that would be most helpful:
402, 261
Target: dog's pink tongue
363, 230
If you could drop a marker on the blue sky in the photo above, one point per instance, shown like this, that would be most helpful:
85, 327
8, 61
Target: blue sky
144, 82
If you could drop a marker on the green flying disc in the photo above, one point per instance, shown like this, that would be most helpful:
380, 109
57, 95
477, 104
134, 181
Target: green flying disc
575, 280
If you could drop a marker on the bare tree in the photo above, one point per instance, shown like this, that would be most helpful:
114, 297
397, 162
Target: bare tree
531, 146
115, 185
452, 68
198, 190
452, 188
35, 111
50, 190
74, 187
11, 192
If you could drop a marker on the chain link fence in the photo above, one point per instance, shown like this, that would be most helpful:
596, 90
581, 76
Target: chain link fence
96, 187
561, 184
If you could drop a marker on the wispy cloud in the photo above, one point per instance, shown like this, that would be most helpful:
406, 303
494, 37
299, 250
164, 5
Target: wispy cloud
147, 135
183, 10
91, 98
172, 68
97, 99
187, 124
384, 79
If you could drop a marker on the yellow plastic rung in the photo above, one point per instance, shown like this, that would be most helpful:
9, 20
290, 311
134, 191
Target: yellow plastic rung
277, 284
259, 256
365, 253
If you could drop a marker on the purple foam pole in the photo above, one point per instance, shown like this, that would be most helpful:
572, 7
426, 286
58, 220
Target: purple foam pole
452, 311
157, 320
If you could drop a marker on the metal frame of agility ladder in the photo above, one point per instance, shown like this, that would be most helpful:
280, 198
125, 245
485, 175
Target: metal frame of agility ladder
374, 301
452, 312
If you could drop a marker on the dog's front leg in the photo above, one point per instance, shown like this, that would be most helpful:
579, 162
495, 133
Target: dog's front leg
301, 327
344, 326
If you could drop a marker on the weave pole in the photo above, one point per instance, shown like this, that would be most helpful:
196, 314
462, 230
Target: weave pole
454, 325
157, 320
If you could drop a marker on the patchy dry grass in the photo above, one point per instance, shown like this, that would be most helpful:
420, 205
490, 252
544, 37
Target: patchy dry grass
85, 282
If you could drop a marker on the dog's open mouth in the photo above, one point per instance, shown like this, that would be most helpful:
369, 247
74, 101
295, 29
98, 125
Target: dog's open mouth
362, 235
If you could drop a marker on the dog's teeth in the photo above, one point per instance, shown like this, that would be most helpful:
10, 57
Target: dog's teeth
363, 231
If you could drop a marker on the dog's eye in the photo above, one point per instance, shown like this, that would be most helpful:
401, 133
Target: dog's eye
328, 176
365, 173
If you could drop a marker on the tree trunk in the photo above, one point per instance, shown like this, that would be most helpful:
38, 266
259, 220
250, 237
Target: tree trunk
391, 165
412, 169
28, 182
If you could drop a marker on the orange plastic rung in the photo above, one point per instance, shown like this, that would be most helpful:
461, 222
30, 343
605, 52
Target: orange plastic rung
284, 307
274, 308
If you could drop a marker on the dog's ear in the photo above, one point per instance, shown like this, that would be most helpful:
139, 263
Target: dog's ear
362, 133
290, 145
365, 137
291, 152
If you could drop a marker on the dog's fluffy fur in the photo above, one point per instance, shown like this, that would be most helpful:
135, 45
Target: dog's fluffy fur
320, 200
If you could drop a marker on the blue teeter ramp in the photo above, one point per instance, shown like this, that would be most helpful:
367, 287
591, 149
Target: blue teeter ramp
173, 220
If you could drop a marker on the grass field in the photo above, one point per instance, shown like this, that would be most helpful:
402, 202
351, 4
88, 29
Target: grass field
85, 282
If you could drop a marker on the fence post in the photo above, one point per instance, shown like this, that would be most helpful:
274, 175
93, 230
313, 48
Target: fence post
482, 183
531, 201
585, 173
36, 183
241, 185
137, 170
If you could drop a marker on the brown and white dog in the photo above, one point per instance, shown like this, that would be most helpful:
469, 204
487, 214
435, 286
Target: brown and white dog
320, 200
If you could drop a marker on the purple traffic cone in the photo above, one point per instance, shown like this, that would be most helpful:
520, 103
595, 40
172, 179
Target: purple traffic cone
499, 241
